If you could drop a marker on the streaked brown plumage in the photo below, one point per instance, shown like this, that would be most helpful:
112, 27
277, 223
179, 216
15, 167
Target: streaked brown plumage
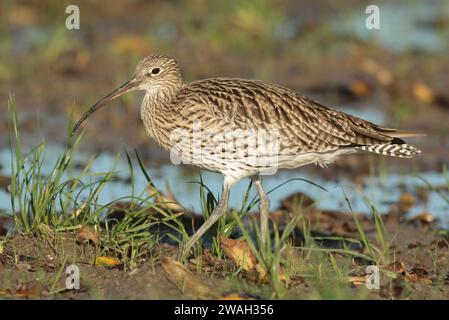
306, 131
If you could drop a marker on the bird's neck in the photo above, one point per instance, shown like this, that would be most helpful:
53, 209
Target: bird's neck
157, 113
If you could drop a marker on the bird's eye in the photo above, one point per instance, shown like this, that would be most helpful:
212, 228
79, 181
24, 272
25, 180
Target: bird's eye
155, 71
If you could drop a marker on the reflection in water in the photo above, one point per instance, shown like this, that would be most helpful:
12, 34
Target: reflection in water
381, 192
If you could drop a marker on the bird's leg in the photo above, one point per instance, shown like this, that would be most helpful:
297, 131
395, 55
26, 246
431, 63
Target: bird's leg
264, 207
216, 214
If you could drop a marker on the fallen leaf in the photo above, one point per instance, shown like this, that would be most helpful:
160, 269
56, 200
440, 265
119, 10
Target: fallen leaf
183, 279
361, 88
396, 267
358, 280
79, 210
406, 202
169, 201
5, 183
424, 217
236, 296
25, 291
107, 261
418, 274
86, 234
5, 293
239, 252
423, 92
382, 75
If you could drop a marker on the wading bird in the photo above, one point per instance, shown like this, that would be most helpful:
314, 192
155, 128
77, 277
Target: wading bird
305, 131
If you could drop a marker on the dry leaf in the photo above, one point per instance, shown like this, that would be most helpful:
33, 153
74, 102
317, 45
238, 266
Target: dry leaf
424, 217
396, 267
5, 183
406, 202
236, 296
5, 293
423, 92
25, 291
361, 88
168, 200
107, 261
183, 279
86, 234
78, 211
358, 280
418, 274
383, 76
22, 291
239, 252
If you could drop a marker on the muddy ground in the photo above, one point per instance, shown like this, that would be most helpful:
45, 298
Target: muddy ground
33, 265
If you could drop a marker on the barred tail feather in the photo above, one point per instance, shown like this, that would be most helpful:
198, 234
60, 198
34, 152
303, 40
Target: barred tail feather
394, 150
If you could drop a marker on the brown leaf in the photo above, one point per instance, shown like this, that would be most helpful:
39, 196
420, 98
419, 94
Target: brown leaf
107, 261
4, 183
406, 202
239, 252
86, 234
236, 296
418, 274
5, 293
396, 267
22, 291
357, 280
168, 200
424, 217
423, 92
183, 279
25, 291
79, 210
383, 76
361, 88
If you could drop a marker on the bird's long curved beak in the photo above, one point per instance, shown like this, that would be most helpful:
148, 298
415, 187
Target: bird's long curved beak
124, 88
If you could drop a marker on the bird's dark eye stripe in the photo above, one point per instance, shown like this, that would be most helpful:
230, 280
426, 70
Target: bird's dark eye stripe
155, 70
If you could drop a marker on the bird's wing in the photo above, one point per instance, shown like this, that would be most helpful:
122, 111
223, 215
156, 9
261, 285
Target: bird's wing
299, 121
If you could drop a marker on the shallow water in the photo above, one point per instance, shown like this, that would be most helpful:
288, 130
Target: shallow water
382, 191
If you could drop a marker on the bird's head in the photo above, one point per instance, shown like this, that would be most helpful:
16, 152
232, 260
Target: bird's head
156, 74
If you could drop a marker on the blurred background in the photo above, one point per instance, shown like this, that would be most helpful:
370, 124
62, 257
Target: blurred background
397, 75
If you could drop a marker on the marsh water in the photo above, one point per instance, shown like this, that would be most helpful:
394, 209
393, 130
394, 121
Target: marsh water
383, 189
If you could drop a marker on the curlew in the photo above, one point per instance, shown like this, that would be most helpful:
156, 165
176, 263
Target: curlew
222, 124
